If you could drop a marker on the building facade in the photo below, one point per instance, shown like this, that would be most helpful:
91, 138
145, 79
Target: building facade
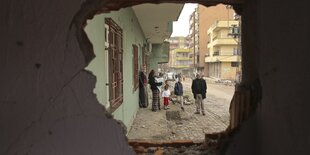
182, 44
181, 62
206, 17
124, 44
194, 38
179, 42
223, 56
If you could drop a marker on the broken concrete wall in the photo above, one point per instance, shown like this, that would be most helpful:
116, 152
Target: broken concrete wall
276, 45
284, 72
46, 104
46, 100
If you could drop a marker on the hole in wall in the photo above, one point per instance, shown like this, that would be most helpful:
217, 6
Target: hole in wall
88, 11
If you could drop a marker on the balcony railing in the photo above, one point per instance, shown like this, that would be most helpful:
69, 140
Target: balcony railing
237, 51
221, 36
216, 53
224, 41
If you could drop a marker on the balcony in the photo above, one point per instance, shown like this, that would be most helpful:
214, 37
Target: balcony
216, 53
182, 51
222, 24
221, 58
236, 51
224, 41
182, 58
181, 66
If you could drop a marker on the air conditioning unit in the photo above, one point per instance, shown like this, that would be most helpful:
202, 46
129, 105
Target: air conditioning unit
234, 31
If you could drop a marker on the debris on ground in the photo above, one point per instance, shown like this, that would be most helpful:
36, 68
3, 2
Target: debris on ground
173, 115
195, 149
187, 100
213, 144
173, 99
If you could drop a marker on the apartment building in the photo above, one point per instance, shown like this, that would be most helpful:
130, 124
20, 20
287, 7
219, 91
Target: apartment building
206, 17
179, 42
181, 61
182, 44
223, 56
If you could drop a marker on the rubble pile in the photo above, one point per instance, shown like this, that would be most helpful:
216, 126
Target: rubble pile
214, 144
186, 100
197, 149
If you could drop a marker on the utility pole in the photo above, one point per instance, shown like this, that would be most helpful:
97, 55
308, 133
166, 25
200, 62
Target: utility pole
193, 45
236, 33
194, 32
196, 58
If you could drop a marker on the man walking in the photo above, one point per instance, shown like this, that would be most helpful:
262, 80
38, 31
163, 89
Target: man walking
199, 90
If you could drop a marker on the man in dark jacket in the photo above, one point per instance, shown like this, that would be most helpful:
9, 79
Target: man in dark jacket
199, 90
178, 91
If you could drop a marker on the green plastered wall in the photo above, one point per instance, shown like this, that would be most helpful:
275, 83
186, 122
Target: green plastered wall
160, 54
132, 34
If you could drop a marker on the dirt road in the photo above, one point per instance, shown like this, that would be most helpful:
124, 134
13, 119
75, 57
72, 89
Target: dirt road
217, 90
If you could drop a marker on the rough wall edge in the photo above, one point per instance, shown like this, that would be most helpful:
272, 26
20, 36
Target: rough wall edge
87, 11
238, 8
92, 7
255, 107
107, 113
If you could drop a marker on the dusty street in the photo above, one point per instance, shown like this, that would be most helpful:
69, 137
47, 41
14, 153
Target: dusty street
175, 124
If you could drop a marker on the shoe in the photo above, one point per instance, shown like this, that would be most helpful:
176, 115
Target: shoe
182, 108
197, 112
168, 107
203, 114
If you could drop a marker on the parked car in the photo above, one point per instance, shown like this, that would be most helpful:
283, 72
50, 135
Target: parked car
170, 76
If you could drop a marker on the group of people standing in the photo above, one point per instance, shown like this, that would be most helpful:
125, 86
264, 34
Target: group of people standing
199, 90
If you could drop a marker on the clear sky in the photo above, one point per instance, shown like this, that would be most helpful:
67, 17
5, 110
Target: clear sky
181, 27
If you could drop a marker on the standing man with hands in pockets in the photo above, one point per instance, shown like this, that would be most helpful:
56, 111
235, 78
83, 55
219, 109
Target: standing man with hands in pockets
199, 90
